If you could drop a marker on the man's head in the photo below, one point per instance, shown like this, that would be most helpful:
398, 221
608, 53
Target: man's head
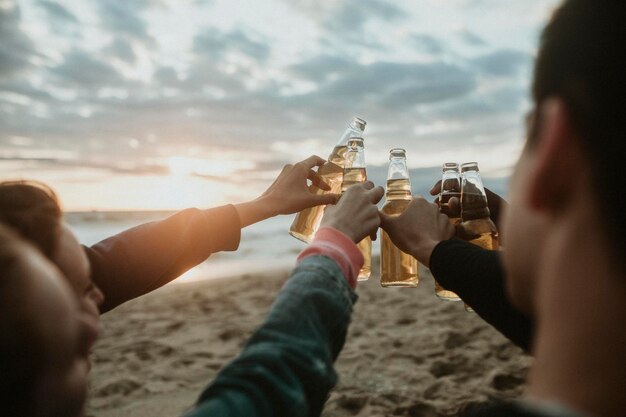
573, 159
33, 210
44, 338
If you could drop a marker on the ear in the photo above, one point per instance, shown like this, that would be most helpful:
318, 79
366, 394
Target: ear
558, 159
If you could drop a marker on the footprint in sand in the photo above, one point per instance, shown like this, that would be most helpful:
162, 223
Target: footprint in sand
417, 410
175, 325
122, 386
503, 382
352, 403
405, 321
455, 340
439, 369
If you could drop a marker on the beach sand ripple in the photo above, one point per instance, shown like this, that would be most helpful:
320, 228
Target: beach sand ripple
407, 353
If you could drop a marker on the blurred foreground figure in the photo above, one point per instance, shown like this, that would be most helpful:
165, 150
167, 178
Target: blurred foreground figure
44, 338
565, 230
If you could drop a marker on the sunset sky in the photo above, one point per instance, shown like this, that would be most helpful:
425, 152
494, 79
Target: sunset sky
159, 104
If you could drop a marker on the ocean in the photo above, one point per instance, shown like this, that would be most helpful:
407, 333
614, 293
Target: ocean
264, 246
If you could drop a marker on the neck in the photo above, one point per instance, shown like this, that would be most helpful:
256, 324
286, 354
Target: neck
580, 341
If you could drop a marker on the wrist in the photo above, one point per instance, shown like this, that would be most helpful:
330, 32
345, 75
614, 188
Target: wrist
268, 205
337, 225
423, 251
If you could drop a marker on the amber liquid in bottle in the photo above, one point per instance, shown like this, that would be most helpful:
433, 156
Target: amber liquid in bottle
440, 291
477, 228
397, 268
308, 221
353, 176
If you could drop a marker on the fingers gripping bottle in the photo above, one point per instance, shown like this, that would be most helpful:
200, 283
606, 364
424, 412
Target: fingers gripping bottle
354, 173
476, 227
397, 268
450, 187
308, 221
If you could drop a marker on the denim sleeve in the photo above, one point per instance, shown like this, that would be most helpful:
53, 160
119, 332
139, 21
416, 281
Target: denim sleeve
286, 368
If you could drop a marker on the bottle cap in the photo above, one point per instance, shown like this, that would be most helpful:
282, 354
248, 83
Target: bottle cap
359, 123
469, 166
450, 166
397, 153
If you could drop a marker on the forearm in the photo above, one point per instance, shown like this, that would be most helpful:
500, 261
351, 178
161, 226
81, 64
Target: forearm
286, 368
256, 210
146, 257
476, 275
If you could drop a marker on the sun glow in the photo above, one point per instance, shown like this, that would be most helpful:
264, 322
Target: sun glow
183, 166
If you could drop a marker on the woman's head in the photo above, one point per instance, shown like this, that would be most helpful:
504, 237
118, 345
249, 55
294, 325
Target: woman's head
33, 210
44, 336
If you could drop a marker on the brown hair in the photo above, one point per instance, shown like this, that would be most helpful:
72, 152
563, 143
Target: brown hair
33, 210
579, 62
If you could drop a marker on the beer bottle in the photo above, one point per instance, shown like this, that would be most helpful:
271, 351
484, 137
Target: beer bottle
397, 268
476, 227
450, 187
308, 221
354, 173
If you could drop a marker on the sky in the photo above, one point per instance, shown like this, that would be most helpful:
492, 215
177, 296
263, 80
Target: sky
165, 104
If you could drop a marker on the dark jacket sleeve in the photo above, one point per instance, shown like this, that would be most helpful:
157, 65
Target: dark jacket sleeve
476, 275
144, 258
286, 368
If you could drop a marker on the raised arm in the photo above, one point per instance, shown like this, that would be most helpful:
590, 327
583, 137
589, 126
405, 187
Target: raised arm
473, 273
144, 258
286, 368
476, 275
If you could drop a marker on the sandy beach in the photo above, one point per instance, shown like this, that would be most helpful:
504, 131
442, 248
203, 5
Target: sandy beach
407, 353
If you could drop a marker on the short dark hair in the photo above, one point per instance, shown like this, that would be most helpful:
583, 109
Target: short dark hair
21, 347
581, 61
33, 210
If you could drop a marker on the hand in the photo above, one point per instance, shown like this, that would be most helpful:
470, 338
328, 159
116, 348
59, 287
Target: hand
289, 193
356, 214
418, 229
496, 204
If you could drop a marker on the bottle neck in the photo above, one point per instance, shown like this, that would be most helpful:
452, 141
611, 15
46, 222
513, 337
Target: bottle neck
397, 169
355, 157
474, 203
354, 129
398, 182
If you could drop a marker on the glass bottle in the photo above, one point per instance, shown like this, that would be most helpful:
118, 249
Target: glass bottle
476, 226
308, 221
354, 173
450, 187
397, 268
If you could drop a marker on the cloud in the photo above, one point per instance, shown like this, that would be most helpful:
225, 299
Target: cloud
352, 15
215, 44
347, 22
385, 86
16, 48
223, 91
122, 17
81, 69
121, 49
57, 12
471, 38
427, 44
504, 62
323, 67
